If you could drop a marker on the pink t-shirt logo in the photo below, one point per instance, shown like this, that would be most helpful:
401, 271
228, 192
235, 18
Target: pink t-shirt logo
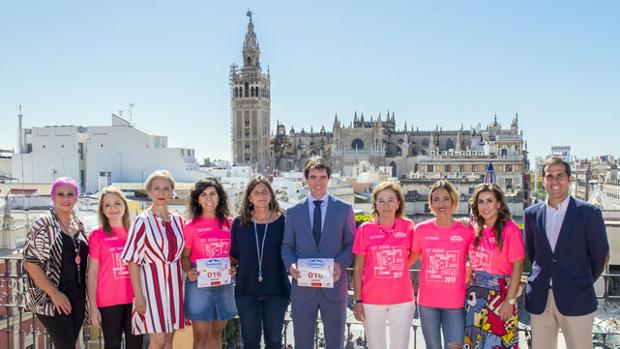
456, 238
389, 261
443, 265
207, 238
214, 247
119, 267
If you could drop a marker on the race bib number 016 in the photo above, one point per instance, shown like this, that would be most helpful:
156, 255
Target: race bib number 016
316, 272
213, 271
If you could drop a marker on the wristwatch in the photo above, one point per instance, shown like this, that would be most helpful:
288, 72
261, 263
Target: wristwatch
357, 301
512, 301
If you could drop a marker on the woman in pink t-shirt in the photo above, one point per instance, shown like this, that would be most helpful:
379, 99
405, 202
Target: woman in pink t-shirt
496, 260
442, 243
207, 235
109, 285
381, 281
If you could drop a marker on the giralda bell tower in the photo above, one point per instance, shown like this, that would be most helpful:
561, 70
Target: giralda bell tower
251, 107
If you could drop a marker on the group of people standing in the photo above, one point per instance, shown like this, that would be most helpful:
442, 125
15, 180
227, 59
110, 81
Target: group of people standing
475, 309
143, 278
140, 277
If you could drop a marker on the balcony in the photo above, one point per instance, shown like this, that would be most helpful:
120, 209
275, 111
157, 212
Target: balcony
20, 330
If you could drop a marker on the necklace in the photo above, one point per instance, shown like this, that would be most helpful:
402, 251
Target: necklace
69, 229
72, 231
164, 217
78, 259
262, 247
388, 231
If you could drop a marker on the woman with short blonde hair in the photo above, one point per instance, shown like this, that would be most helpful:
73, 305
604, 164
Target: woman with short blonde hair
153, 250
383, 291
442, 243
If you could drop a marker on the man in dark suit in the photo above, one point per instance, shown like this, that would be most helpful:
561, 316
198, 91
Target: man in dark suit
319, 226
566, 242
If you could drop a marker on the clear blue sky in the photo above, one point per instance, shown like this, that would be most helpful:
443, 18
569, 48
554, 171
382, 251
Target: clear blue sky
442, 63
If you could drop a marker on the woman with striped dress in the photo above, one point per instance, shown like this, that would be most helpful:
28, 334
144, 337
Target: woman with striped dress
153, 250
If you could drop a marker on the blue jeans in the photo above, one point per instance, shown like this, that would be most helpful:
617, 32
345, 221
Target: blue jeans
261, 314
209, 303
451, 321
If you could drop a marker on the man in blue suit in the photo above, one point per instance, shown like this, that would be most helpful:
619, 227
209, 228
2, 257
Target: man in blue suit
319, 226
566, 242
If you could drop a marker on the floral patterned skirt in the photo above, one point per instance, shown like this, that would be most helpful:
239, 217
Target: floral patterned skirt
483, 327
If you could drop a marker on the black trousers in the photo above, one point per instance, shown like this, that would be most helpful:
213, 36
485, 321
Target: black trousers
64, 330
116, 320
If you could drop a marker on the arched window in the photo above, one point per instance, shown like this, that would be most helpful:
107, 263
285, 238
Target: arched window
394, 171
247, 87
357, 144
449, 144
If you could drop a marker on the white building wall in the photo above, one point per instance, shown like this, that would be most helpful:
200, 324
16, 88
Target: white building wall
129, 154
6, 166
54, 154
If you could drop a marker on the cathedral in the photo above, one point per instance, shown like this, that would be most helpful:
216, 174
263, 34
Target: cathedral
411, 153
407, 150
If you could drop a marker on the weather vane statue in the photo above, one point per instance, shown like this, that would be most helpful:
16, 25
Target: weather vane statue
249, 14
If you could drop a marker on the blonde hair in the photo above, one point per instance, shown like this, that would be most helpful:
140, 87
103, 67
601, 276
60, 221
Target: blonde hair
395, 187
103, 220
444, 184
165, 174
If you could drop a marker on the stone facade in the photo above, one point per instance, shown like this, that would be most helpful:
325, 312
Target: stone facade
408, 151
251, 107
412, 154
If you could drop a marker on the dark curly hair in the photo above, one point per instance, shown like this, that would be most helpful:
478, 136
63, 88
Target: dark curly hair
246, 208
503, 214
221, 211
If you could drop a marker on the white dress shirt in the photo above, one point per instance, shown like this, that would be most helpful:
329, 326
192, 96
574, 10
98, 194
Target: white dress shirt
554, 220
323, 209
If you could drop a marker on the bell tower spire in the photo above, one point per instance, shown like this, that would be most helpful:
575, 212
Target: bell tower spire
251, 107
251, 50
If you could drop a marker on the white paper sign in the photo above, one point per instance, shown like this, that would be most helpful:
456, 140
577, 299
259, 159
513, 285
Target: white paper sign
213, 271
316, 272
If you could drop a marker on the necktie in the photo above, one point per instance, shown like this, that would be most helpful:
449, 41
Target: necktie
316, 222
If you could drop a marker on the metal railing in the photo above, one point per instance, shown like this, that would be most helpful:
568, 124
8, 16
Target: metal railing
21, 330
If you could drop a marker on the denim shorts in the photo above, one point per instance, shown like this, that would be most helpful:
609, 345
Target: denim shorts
209, 303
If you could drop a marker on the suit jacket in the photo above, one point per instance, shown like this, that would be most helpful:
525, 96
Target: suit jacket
578, 259
337, 235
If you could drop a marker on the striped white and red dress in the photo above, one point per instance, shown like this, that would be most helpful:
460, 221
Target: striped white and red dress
156, 246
